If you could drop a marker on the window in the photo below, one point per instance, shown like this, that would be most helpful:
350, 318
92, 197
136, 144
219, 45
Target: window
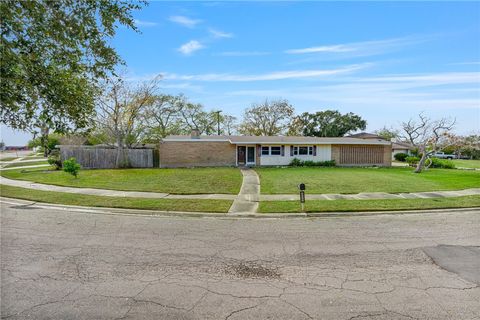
275, 151
303, 151
271, 150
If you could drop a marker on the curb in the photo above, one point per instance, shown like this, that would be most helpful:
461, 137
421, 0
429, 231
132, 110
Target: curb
154, 213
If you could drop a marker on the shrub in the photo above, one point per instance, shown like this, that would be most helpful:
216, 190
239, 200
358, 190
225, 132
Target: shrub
296, 163
412, 160
309, 163
400, 157
71, 166
54, 159
440, 163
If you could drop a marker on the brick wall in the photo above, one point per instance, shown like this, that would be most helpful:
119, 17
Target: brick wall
196, 154
362, 155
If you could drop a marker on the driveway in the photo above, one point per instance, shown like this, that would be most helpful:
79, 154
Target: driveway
75, 265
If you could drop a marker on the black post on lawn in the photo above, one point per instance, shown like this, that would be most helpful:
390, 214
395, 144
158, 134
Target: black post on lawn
301, 187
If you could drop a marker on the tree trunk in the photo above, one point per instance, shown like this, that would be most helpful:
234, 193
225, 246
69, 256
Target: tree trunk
44, 141
421, 163
122, 156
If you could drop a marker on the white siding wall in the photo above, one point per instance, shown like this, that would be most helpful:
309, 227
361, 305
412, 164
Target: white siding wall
324, 153
395, 151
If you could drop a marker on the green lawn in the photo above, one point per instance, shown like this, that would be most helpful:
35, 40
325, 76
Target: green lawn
175, 181
220, 206
369, 205
23, 164
8, 158
467, 163
356, 180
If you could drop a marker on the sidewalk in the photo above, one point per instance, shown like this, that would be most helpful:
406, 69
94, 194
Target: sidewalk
248, 198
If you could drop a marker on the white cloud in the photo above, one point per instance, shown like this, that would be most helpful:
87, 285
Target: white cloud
242, 53
142, 23
279, 75
364, 47
190, 47
219, 34
389, 92
185, 21
334, 48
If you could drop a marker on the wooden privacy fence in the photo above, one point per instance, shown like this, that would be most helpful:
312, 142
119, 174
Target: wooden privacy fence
106, 158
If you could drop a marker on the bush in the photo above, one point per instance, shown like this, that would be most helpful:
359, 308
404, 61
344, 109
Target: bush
54, 160
296, 163
412, 160
441, 163
400, 157
309, 163
71, 166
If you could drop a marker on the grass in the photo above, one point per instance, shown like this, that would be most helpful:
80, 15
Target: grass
23, 164
8, 158
175, 181
369, 205
218, 206
467, 163
356, 180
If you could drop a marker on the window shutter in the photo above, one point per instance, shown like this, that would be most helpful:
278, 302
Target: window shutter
283, 151
314, 151
291, 151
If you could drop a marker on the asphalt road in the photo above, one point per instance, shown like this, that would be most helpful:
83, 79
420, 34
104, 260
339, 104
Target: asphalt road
74, 265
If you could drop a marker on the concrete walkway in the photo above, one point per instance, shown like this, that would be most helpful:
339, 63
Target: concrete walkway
25, 167
247, 200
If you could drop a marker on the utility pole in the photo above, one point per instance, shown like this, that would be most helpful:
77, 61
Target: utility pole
218, 121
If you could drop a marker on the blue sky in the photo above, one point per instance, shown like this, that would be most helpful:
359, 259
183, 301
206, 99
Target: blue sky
384, 61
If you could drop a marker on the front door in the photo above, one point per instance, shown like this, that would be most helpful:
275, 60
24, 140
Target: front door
241, 155
245, 155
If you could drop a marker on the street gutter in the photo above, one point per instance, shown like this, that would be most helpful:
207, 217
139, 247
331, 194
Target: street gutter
21, 204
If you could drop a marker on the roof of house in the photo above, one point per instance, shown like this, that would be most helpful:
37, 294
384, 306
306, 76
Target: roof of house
365, 135
277, 140
402, 146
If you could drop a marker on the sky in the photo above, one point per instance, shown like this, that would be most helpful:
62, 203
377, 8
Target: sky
385, 61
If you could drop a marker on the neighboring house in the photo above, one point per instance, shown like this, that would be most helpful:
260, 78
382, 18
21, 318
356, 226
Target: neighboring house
365, 135
202, 151
401, 147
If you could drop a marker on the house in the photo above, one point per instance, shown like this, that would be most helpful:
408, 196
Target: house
401, 147
202, 151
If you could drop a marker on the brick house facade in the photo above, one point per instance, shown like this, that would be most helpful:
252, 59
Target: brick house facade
205, 151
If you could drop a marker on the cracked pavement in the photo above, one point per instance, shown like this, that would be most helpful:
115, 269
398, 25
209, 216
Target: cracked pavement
57, 264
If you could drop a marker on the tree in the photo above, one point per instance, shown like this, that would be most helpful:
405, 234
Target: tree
53, 53
47, 144
388, 134
267, 119
196, 118
228, 124
119, 111
163, 117
425, 134
71, 166
329, 123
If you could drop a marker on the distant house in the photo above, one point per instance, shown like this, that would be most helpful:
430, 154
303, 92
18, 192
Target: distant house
401, 147
366, 135
202, 151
